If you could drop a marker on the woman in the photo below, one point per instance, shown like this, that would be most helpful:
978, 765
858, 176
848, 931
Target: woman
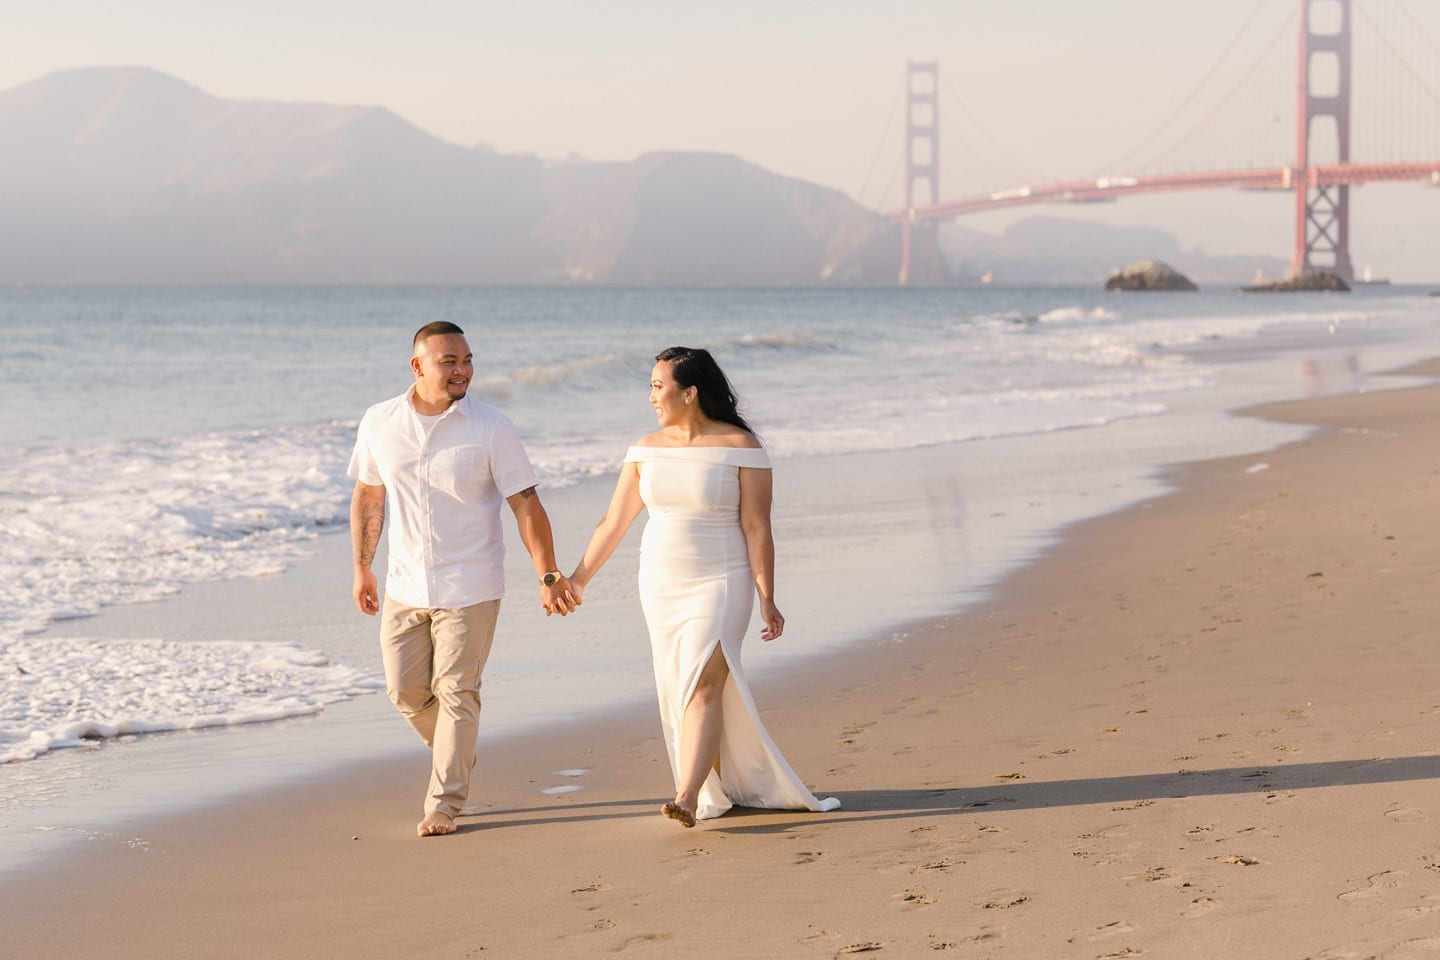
706, 553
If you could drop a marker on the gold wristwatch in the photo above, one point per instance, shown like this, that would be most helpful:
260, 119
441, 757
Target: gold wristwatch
551, 578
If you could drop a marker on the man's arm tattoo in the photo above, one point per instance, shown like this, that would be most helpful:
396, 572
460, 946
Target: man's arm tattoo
527, 493
372, 521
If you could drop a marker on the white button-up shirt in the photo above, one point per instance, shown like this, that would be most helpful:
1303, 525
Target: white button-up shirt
444, 481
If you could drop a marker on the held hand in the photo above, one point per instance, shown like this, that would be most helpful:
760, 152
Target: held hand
577, 592
366, 593
774, 623
559, 598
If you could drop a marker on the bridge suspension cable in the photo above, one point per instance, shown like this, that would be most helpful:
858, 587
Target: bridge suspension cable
1005, 168
1264, 100
1402, 113
889, 135
1119, 164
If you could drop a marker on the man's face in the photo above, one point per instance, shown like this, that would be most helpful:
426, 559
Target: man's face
443, 367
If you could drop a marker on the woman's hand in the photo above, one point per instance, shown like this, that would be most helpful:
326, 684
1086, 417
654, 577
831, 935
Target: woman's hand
774, 623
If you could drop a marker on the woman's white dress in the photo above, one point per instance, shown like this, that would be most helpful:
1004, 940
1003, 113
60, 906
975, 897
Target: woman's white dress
697, 591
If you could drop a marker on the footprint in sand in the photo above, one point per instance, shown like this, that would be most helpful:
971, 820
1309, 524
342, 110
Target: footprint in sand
1001, 900
595, 887
643, 938
868, 947
1199, 907
1406, 815
809, 856
1374, 888
917, 898
1134, 806
944, 863
1112, 929
1152, 875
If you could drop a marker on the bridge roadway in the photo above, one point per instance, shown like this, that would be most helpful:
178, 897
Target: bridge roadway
1108, 188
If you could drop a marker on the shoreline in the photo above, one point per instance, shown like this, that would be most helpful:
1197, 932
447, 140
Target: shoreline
1198, 722
553, 673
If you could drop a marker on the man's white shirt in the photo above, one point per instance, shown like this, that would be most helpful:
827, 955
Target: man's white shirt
445, 482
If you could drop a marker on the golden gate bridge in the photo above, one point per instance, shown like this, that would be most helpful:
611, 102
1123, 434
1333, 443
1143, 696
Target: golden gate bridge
1319, 172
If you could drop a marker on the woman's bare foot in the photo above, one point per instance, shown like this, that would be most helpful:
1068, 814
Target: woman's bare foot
673, 810
435, 824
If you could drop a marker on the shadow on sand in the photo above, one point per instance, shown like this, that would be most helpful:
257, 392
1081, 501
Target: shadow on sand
862, 805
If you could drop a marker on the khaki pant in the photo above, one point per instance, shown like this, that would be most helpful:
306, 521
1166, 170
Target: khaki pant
433, 660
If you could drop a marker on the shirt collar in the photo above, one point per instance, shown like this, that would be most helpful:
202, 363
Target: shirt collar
461, 406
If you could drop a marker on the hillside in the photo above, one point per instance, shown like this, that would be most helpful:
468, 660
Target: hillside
126, 175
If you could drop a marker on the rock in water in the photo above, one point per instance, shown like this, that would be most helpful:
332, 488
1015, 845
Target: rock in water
1148, 275
1310, 280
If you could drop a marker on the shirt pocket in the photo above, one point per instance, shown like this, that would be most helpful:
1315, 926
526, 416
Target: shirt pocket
462, 472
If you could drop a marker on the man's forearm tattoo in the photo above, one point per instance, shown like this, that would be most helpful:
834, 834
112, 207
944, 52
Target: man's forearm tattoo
372, 521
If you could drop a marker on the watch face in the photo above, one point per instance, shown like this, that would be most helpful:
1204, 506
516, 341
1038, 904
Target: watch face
550, 579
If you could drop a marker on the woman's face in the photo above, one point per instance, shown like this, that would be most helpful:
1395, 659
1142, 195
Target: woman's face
666, 396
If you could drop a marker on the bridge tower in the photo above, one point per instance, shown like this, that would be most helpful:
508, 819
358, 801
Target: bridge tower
920, 242
1322, 212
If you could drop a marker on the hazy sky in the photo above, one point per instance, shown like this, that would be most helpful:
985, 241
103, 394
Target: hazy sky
1031, 89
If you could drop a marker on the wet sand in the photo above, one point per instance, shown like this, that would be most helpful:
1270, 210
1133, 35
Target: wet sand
1203, 727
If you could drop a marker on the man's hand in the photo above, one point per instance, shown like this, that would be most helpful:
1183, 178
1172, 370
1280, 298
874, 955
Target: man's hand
366, 592
562, 598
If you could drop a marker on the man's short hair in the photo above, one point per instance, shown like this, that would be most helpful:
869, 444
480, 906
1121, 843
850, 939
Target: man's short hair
435, 329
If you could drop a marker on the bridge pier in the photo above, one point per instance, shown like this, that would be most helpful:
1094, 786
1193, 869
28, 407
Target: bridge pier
1322, 211
920, 258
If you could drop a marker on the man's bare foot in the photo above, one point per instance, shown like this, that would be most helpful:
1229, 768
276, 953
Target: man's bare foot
435, 824
673, 810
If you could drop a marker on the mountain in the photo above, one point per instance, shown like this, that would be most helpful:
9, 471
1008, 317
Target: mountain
127, 175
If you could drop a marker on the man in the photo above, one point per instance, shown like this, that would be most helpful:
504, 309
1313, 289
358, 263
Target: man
441, 463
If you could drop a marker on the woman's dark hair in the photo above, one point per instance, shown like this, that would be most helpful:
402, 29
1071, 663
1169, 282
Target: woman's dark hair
694, 367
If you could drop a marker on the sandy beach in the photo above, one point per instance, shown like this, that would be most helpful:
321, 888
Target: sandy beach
1203, 727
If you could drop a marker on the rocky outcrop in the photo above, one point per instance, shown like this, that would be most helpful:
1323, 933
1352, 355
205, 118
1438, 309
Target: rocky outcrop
1311, 280
1148, 275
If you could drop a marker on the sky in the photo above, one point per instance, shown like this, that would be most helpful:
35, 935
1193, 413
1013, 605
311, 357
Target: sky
1030, 90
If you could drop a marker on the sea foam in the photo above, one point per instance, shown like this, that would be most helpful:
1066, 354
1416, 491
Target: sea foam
64, 692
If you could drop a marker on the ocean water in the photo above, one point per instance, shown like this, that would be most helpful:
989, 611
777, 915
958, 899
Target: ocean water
157, 439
